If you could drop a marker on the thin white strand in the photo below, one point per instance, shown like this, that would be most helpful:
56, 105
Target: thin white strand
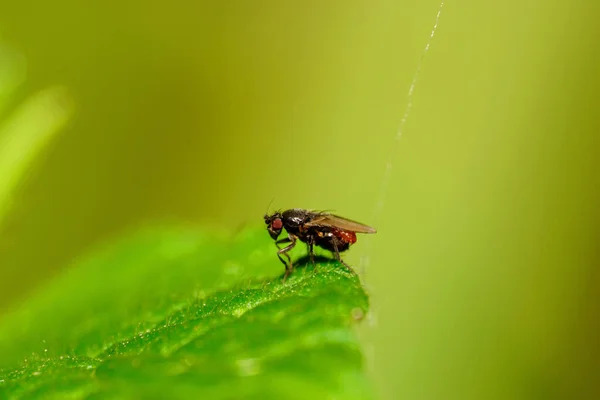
388, 167
385, 181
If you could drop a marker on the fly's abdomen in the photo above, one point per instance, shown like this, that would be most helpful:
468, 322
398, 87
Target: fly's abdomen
334, 240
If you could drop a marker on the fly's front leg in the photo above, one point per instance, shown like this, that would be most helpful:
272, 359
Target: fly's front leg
288, 265
284, 251
336, 252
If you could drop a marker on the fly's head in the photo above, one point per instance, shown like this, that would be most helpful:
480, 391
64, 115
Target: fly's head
274, 224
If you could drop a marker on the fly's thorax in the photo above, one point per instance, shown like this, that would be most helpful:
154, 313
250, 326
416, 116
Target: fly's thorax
295, 218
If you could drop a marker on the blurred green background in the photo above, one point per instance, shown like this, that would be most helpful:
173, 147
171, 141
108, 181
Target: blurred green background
484, 272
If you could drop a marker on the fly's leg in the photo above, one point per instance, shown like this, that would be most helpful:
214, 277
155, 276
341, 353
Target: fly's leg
336, 252
283, 251
310, 244
288, 265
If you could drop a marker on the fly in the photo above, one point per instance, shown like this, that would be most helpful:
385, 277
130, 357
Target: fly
314, 228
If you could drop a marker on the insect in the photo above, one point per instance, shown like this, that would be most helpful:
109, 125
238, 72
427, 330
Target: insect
314, 228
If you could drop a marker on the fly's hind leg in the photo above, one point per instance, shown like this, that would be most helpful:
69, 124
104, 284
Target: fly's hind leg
336, 252
288, 265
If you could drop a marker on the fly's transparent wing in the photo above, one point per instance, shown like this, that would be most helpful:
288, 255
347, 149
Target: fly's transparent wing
342, 223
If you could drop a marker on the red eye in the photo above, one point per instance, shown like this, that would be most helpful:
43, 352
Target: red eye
277, 224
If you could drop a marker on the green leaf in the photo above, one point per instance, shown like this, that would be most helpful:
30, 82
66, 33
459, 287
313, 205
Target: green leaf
182, 313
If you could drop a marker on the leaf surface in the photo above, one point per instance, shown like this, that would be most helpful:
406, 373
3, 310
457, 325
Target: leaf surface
175, 312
